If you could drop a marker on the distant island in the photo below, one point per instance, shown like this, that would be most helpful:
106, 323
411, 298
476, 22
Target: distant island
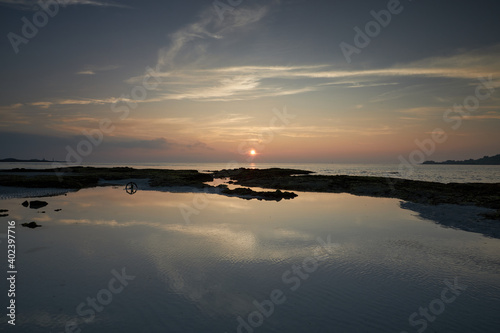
34, 160
486, 160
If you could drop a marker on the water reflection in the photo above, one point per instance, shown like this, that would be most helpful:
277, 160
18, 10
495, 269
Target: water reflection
201, 276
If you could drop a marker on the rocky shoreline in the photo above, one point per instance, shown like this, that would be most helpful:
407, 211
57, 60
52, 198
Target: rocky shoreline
486, 195
73, 178
473, 207
471, 194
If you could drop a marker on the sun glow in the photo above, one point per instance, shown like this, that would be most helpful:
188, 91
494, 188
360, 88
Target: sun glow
253, 152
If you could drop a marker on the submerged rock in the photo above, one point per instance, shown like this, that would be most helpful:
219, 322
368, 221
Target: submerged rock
31, 225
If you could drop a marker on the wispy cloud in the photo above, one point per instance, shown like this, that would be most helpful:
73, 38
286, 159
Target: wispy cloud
57, 102
32, 4
157, 144
93, 70
483, 117
190, 132
252, 82
200, 82
188, 45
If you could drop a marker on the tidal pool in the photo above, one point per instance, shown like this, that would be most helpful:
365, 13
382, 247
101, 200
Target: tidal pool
192, 262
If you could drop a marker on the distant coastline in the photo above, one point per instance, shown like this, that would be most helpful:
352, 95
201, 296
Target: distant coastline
486, 160
33, 160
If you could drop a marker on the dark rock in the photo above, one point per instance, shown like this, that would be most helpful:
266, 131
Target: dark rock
26, 203
86, 177
31, 225
36, 204
247, 193
492, 215
57, 210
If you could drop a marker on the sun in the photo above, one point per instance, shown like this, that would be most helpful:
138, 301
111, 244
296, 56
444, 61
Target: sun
253, 152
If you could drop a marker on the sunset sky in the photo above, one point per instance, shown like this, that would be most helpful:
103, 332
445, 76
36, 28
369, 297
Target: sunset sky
188, 81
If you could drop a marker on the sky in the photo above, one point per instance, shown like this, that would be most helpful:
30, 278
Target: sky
325, 81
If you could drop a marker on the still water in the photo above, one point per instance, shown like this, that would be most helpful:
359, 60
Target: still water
187, 262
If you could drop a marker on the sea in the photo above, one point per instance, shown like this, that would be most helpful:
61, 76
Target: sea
104, 260
434, 173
